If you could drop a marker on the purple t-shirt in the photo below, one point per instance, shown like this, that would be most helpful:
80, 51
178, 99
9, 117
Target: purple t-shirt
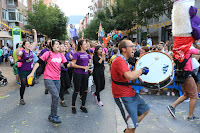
82, 59
27, 61
91, 50
43, 51
67, 57
73, 32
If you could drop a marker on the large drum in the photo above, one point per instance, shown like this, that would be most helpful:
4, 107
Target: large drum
161, 69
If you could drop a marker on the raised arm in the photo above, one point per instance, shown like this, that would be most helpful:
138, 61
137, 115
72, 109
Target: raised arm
35, 40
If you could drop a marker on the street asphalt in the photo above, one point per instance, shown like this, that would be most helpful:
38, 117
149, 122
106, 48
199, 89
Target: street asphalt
32, 117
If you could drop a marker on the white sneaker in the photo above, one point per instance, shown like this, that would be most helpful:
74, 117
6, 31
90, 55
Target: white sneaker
187, 100
100, 103
158, 93
95, 97
173, 94
168, 93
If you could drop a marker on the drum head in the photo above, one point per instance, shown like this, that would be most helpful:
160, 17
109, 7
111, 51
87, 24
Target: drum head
160, 67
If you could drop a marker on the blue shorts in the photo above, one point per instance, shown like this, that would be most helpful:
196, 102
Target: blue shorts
198, 76
17, 71
133, 107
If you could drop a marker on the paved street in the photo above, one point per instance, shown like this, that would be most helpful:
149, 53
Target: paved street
32, 118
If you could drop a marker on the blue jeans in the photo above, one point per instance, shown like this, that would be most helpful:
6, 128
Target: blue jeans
53, 87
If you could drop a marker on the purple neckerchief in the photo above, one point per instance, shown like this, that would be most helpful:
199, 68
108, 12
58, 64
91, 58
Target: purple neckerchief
195, 22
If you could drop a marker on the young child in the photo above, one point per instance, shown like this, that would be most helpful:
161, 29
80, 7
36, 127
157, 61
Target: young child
115, 51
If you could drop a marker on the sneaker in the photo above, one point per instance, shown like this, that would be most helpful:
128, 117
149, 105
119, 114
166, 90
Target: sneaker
192, 118
63, 104
187, 100
171, 110
158, 93
46, 91
22, 102
83, 109
173, 94
54, 119
57, 120
50, 118
95, 97
36, 81
168, 93
66, 92
74, 110
100, 103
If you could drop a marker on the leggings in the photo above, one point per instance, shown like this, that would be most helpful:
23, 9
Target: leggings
99, 81
23, 86
80, 84
70, 73
65, 83
53, 87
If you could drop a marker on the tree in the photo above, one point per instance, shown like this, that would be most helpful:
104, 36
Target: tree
127, 13
50, 21
103, 17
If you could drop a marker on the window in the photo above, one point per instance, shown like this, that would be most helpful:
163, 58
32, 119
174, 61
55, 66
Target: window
91, 15
10, 2
20, 17
25, 22
4, 14
13, 15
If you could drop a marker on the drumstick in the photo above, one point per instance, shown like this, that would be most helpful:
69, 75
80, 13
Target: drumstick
156, 58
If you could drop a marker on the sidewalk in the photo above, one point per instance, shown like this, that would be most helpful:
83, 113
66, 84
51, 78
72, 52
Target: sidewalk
7, 71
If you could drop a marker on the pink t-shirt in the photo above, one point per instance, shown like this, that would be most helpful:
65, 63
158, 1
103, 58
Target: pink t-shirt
105, 50
188, 65
53, 66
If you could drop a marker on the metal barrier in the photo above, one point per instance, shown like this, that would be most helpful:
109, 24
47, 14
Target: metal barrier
171, 86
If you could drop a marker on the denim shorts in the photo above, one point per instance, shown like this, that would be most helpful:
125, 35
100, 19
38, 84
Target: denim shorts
133, 107
198, 76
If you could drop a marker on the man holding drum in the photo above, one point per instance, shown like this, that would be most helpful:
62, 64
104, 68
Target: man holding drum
135, 107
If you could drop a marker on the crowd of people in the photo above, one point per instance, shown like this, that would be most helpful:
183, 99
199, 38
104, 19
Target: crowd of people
61, 64
80, 64
5, 52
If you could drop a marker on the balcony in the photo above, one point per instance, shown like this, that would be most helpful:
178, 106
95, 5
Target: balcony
12, 3
14, 16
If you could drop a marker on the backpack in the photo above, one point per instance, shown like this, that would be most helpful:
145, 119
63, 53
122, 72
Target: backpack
181, 65
181, 75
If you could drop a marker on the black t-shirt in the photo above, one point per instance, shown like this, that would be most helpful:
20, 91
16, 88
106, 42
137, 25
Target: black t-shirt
97, 65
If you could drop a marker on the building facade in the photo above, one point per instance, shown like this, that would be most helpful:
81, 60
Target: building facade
50, 2
108, 3
13, 14
163, 33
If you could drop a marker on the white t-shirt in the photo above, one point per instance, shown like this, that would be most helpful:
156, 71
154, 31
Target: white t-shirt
195, 63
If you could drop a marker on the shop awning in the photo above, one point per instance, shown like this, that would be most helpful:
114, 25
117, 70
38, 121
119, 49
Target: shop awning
4, 36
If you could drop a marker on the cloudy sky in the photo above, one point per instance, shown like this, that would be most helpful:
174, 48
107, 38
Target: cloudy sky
74, 7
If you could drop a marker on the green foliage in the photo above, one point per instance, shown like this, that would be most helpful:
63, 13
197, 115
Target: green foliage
126, 13
50, 21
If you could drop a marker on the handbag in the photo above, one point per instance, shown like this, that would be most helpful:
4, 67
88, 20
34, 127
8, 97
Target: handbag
181, 76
